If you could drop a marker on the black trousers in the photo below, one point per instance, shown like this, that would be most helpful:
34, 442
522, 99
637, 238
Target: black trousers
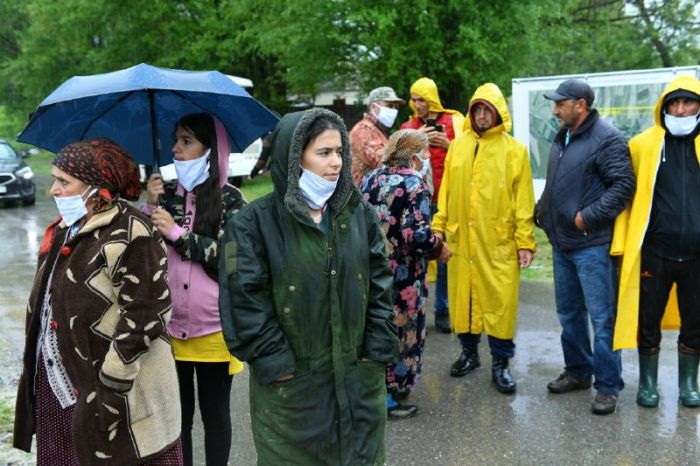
658, 275
213, 394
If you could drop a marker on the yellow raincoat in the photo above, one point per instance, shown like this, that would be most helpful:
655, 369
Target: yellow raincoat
631, 224
485, 211
427, 89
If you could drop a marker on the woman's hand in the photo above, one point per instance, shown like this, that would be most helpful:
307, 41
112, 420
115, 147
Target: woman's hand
162, 219
154, 187
445, 254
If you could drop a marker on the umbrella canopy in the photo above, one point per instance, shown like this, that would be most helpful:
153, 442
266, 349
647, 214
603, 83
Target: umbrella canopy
138, 107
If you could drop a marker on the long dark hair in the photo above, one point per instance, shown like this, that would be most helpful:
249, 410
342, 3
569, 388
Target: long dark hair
208, 194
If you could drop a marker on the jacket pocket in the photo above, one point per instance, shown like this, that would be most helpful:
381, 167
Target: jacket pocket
111, 409
503, 242
451, 236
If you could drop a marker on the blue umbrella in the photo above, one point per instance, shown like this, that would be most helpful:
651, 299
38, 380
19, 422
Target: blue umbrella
138, 107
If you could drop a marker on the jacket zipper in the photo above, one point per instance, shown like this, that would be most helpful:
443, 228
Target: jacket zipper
551, 189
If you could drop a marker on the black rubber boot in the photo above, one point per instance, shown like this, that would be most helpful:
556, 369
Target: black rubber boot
467, 361
688, 377
647, 394
505, 383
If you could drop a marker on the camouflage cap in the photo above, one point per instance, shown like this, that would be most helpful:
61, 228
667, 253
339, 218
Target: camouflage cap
384, 93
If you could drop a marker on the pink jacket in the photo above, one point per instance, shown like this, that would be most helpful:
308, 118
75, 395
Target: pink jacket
194, 295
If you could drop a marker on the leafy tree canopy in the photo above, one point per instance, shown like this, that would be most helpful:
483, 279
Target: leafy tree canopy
303, 46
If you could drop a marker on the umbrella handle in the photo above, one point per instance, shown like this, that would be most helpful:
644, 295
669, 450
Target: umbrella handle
149, 170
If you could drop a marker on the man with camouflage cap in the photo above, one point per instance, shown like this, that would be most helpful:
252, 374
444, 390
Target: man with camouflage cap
369, 136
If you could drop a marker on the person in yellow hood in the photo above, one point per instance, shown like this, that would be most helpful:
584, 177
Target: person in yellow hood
485, 213
659, 239
441, 125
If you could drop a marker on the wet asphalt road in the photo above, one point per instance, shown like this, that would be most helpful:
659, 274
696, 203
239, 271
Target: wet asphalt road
462, 421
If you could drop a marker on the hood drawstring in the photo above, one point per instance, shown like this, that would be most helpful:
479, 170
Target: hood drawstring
663, 152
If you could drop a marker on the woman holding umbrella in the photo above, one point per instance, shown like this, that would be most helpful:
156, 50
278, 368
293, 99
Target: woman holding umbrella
309, 303
99, 381
190, 213
402, 199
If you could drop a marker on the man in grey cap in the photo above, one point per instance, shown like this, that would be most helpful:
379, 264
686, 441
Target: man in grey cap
369, 136
589, 181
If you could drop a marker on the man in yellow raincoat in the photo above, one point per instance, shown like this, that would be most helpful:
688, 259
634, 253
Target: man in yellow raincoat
441, 125
659, 238
485, 213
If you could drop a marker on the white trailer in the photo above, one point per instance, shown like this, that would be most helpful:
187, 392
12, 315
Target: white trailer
624, 98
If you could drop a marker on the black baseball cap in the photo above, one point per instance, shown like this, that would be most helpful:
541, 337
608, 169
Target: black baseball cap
572, 89
680, 93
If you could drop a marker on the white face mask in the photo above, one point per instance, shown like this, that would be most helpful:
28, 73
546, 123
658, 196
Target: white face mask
681, 126
192, 173
425, 164
315, 189
72, 208
386, 115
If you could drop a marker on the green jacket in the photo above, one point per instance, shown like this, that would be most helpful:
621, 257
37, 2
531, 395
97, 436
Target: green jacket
297, 300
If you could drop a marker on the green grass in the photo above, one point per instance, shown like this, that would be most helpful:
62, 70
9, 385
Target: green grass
7, 409
40, 163
541, 269
7, 415
257, 187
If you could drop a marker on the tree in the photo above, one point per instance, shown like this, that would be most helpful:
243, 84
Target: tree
303, 46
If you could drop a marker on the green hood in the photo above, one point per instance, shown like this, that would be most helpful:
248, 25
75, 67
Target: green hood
287, 142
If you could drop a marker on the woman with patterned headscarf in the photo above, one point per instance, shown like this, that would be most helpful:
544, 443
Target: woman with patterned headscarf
99, 383
402, 200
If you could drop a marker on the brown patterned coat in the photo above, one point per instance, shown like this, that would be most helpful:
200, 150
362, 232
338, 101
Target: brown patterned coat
111, 304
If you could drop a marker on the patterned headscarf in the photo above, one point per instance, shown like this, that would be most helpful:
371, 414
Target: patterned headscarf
403, 145
104, 165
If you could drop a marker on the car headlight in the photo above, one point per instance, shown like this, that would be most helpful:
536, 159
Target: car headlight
25, 173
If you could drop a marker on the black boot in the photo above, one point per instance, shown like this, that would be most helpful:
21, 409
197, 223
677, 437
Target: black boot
688, 376
467, 361
505, 383
442, 322
647, 394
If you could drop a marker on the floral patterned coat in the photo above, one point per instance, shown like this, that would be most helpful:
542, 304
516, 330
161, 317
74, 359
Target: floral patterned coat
402, 200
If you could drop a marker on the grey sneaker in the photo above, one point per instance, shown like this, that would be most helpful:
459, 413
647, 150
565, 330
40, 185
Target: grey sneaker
565, 384
604, 404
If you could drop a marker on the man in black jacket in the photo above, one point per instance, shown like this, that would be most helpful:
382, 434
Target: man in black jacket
589, 180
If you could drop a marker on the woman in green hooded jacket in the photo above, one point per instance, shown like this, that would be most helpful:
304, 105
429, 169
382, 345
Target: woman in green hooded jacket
306, 301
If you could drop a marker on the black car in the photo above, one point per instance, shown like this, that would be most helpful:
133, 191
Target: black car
16, 178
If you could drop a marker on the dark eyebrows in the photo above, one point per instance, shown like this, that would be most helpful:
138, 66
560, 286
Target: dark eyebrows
325, 148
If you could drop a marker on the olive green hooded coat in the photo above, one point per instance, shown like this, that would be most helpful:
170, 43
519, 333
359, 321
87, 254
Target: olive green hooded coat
297, 300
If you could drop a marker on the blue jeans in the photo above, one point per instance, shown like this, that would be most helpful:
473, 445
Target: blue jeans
585, 285
441, 306
499, 347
